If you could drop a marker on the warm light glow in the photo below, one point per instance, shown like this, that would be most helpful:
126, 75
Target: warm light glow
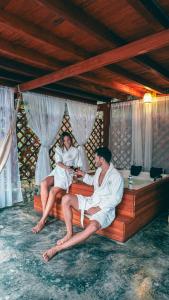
147, 98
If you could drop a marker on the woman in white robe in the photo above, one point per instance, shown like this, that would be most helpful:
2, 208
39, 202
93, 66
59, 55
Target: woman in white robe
67, 157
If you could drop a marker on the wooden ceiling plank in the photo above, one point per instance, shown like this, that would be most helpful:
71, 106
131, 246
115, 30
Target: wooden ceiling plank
140, 8
39, 34
17, 75
135, 78
116, 85
4, 3
157, 12
20, 68
94, 88
80, 19
28, 72
27, 55
66, 88
143, 45
48, 38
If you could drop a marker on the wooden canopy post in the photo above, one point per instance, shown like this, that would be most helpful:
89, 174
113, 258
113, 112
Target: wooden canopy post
105, 108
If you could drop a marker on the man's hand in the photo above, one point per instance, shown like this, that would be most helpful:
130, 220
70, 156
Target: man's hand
69, 169
93, 210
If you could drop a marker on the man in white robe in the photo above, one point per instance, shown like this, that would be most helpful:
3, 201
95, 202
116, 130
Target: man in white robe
99, 208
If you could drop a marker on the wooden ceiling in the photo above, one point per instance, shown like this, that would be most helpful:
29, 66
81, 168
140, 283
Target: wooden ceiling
94, 50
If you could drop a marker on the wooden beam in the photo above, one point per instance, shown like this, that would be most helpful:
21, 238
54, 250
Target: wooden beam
39, 34
111, 83
25, 70
144, 45
27, 55
155, 67
67, 89
157, 12
44, 36
79, 18
95, 83
4, 3
140, 8
135, 78
20, 68
48, 91
94, 88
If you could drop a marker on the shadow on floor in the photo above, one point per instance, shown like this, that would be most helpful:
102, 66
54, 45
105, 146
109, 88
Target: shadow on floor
97, 269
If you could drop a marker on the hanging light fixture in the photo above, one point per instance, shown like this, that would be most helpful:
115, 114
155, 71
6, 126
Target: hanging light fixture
147, 98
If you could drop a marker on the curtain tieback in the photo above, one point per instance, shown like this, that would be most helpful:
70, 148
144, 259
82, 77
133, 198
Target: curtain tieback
45, 146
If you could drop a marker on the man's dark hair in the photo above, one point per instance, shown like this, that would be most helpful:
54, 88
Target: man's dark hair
105, 153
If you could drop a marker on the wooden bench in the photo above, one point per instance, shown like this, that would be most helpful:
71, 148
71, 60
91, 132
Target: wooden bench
137, 208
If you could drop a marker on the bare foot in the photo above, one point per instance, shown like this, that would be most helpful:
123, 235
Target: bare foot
64, 239
38, 227
47, 255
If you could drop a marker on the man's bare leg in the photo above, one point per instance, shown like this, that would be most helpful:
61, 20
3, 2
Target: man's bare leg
68, 202
74, 240
44, 190
49, 205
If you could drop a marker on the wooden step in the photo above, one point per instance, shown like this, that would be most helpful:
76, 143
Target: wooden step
126, 207
115, 231
138, 207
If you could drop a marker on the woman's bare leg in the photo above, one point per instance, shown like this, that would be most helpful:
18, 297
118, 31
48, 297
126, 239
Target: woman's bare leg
68, 202
44, 190
49, 205
74, 240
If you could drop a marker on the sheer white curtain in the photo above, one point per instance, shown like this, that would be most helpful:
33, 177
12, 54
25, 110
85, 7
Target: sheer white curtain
120, 134
142, 134
160, 155
44, 114
137, 133
10, 185
82, 118
131, 134
147, 135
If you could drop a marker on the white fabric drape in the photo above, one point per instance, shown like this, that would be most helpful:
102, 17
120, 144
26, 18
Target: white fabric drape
131, 134
10, 185
82, 118
120, 134
137, 137
44, 114
6, 142
160, 155
147, 135
142, 134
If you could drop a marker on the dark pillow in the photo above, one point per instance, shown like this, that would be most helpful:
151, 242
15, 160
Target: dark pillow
155, 172
135, 170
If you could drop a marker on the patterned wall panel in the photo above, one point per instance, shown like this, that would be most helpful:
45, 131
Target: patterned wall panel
121, 135
160, 155
29, 144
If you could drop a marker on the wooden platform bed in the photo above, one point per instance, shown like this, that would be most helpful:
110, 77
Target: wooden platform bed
138, 207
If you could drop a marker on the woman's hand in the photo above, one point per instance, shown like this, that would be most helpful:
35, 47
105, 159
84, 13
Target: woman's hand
69, 169
80, 173
93, 210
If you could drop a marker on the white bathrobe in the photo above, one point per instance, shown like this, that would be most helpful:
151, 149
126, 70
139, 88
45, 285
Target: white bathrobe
70, 157
107, 196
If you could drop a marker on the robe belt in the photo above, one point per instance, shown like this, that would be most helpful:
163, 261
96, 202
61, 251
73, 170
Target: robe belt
82, 217
82, 213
